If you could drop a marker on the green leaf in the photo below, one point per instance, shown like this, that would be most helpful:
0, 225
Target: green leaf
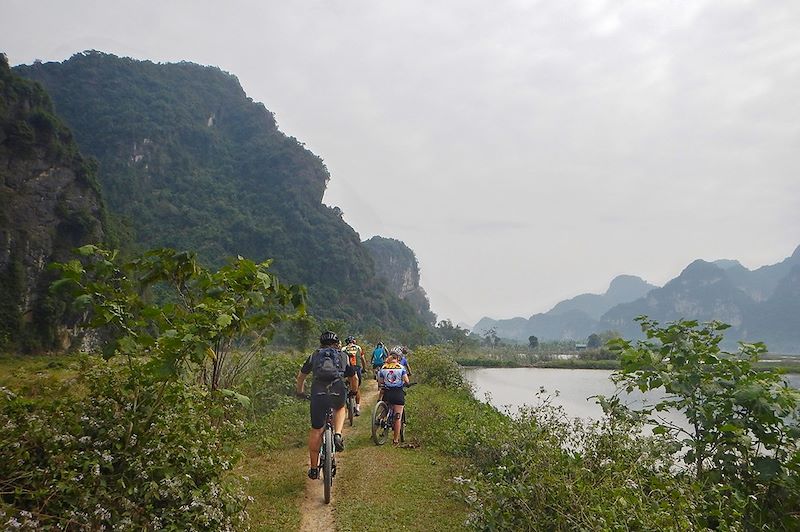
767, 468
85, 251
242, 399
224, 320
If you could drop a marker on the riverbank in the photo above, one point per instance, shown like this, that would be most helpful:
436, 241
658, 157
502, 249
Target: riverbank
784, 364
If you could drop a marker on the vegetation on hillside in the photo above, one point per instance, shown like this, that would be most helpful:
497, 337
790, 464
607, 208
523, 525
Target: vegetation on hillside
188, 161
42, 174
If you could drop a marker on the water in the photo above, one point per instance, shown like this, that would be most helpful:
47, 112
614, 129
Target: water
513, 388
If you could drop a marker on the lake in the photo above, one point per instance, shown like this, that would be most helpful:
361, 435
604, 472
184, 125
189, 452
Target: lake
516, 387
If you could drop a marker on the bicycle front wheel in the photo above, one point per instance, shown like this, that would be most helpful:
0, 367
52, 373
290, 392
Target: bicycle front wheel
380, 425
327, 465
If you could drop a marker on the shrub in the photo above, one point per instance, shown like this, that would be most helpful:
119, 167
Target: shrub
434, 366
126, 455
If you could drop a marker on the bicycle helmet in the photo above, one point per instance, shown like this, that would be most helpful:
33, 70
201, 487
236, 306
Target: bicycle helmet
397, 350
328, 338
350, 340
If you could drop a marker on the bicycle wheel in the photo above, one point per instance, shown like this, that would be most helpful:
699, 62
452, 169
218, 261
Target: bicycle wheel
380, 426
351, 408
327, 465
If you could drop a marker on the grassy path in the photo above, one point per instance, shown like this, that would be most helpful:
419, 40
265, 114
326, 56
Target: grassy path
376, 488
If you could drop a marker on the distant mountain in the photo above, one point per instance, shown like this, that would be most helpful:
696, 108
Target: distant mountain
574, 318
760, 305
623, 288
188, 160
397, 264
49, 204
702, 291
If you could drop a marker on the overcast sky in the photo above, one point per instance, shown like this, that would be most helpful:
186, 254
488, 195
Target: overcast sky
527, 151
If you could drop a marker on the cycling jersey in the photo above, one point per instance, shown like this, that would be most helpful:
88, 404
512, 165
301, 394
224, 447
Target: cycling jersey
392, 375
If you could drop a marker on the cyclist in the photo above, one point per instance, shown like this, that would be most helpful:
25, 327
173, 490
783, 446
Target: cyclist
356, 358
403, 357
391, 377
378, 358
329, 366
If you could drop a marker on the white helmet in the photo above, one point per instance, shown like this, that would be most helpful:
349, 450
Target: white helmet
397, 351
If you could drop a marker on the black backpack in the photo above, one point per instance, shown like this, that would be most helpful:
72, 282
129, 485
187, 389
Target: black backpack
327, 364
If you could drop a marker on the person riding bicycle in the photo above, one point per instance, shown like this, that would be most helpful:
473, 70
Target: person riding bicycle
378, 358
391, 377
329, 367
403, 357
356, 358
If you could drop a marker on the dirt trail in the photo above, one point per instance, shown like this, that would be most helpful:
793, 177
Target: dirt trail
316, 515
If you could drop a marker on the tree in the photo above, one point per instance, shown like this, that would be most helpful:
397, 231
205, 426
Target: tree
458, 338
742, 419
212, 322
594, 341
533, 342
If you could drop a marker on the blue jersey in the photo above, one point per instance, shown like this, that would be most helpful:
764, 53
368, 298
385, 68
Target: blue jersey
392, 376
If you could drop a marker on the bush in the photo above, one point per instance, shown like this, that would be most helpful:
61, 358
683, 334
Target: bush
108, 458
432, 365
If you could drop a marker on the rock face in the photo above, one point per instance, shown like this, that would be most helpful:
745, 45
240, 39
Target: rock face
397, 265
49, 204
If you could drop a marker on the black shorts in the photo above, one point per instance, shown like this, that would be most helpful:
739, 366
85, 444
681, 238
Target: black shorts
394, 396
334, 398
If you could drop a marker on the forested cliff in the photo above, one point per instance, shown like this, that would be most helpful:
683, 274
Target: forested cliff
397, 264
188, 161
49, 204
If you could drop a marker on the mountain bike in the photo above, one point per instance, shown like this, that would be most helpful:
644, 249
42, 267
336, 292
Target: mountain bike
383, 417
327, 456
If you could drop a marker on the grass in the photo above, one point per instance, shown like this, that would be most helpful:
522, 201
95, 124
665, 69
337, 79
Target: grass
32, 375
276, 481
395, 488
274, 463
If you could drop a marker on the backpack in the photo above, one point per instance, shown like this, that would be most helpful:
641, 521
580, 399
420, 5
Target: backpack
327, 364
377, 356
352, 353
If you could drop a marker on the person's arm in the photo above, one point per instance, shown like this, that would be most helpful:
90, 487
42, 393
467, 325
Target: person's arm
300, 384
302, 375
363, 360
405, 378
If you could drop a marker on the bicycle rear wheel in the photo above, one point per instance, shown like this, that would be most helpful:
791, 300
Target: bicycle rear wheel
351, 400
327, 465
380, 426
403, 427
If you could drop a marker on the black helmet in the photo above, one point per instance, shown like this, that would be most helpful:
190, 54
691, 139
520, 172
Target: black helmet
350, 340
328, 338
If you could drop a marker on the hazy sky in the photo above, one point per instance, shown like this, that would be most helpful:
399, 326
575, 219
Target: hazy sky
527, 151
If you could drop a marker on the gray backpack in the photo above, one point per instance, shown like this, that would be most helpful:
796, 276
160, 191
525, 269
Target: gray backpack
327, 364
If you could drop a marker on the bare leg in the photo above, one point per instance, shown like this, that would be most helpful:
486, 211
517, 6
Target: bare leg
314, 443
338, 420
398, 419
